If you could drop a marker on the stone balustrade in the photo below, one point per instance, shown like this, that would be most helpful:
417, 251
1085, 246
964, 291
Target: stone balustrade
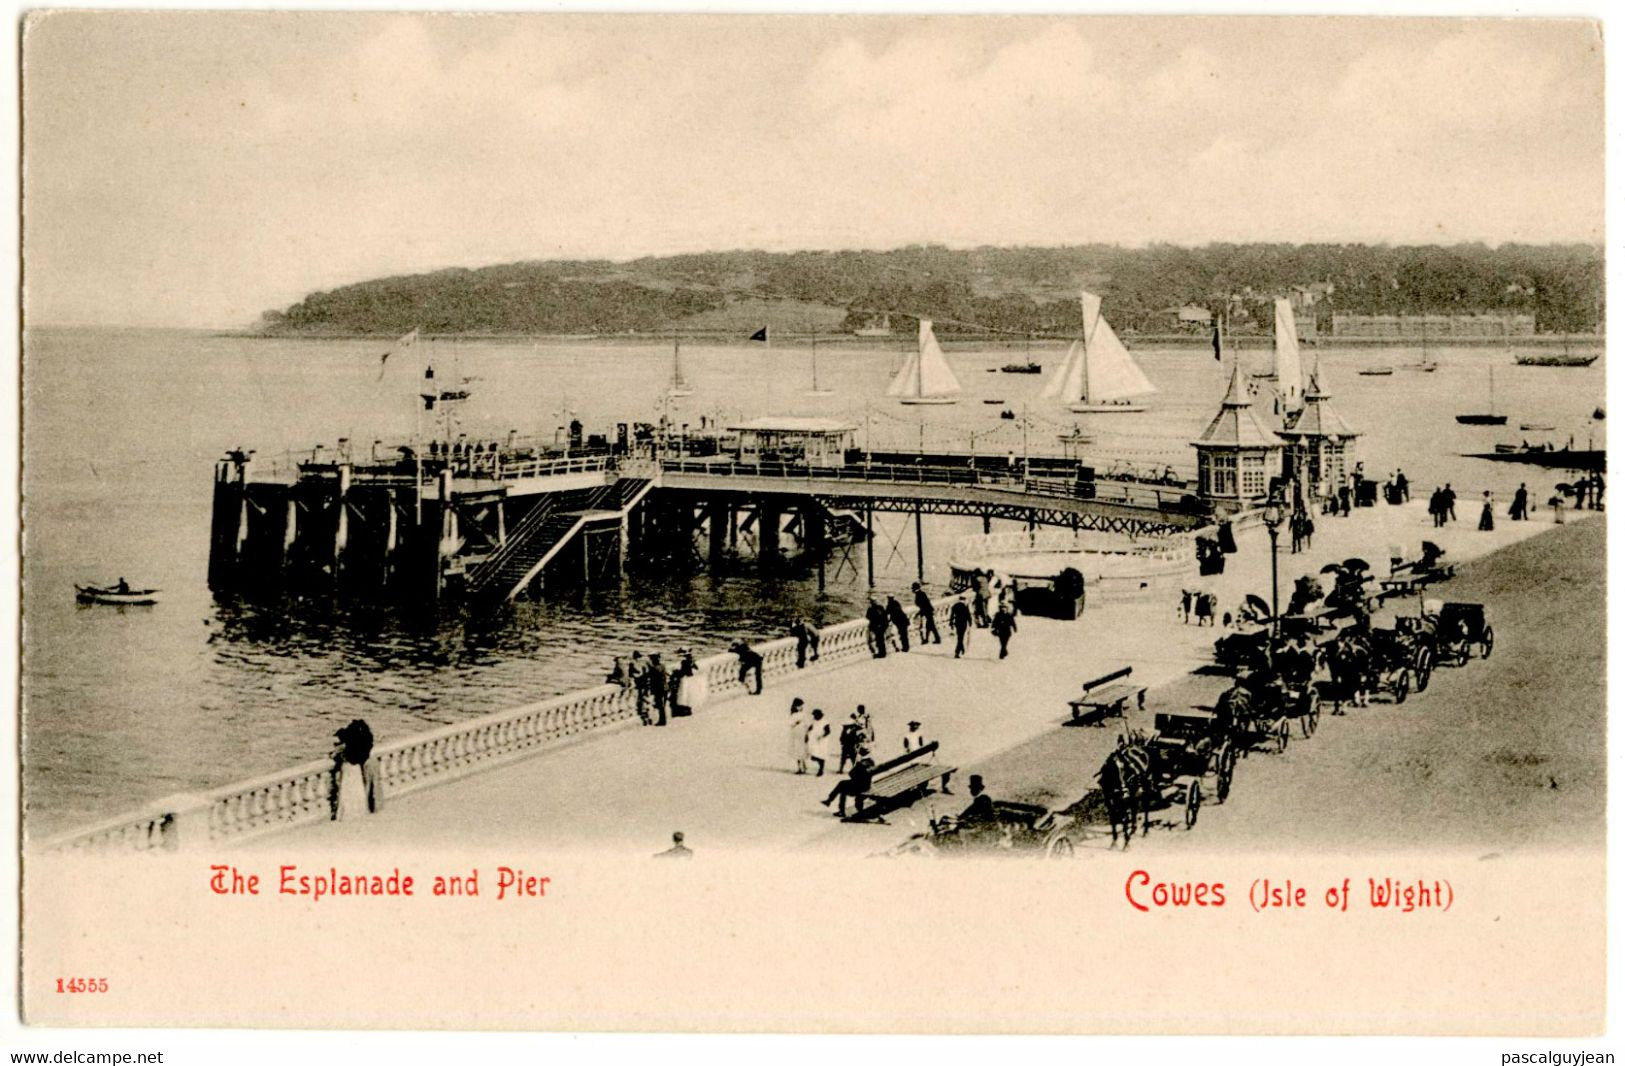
303, 794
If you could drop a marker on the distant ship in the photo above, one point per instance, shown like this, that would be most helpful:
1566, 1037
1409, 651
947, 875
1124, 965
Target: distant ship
1555, 359
1485, 419
1021, 368
1376, 372
1588, 459
1098, 375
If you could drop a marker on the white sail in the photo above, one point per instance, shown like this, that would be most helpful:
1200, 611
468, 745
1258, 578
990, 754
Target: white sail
926, 373
1288, 364
1109, 374
1066, 381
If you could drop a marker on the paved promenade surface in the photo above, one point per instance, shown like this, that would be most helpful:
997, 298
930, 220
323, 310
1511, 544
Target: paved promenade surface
724, 777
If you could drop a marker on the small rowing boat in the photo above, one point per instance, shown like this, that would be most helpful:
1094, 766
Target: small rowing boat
115, 596
1376, 372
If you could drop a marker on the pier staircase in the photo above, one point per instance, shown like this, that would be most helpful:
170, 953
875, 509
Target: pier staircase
542, 534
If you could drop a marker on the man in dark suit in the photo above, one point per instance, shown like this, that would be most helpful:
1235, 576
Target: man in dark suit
878, 623
959, 622
856, 784
1004, 624
928, 616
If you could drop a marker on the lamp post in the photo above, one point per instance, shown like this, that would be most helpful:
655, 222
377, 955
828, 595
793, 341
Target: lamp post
1274, 515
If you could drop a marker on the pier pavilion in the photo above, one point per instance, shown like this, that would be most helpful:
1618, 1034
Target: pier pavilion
1238, 455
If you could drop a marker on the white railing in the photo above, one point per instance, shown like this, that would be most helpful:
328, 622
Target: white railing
303, 794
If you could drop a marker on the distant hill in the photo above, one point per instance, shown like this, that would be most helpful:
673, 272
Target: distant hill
968, 291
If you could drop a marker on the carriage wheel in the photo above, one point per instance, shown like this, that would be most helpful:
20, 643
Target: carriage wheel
1423, 668
1489, 640
1283, 733
1059, 848
1309, 721
1402, 687
1193, 804
1227, 770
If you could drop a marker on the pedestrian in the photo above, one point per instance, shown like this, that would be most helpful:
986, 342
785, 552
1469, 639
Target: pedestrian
878, 624
850, 739
354, 789
1004, 624
959, 621
1345, 497
659, 687
1556, 504
866, 725
1520, 503
1308, 531
856, 784
1185, 598
689, 689
1448, 499
916, 739
750, 662
677, 850
1486, 517
799, 723
899, 621
1015, 597
818, 741
806, 641
979, 590
1295, 526
928, 616
1205, 603
1402, 485
617, 674
638, 671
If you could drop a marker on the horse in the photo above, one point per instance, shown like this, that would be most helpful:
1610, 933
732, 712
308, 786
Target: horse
1351, 661
1125, 784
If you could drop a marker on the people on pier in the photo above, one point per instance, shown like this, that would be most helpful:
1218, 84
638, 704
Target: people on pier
1448, 499
899, 621
617, 674
1206, 606
1436, 507
928, 616
1520, 504
981, 582
1004, 626
1486, 517
959, 620
866, 725
1403, 486
355, 787
798, 734
980, 812
1186, 602
750, 664
878, 624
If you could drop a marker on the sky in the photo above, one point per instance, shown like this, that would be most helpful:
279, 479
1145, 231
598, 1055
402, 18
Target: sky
186, 169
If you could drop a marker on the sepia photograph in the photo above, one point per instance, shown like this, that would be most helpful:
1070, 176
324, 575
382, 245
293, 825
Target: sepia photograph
1058, 524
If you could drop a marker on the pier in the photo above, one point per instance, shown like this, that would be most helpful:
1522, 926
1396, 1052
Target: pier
481, 527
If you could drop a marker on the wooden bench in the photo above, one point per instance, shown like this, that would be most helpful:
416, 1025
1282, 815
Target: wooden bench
1105, 696
899, 782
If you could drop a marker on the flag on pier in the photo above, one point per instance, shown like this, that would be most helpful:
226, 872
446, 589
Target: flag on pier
761, 335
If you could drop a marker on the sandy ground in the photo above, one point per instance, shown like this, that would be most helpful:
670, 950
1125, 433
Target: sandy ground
1471, 762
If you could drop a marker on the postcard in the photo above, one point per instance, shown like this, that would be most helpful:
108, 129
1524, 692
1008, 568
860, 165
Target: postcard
806, 523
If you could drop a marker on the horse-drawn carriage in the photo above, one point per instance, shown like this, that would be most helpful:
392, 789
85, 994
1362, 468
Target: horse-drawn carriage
1457, 629
1016, 829
1255, 713
1163, 773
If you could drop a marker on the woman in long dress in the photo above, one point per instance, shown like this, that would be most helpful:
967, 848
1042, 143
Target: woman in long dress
820, 738
354, 794
798, 734
1486, 518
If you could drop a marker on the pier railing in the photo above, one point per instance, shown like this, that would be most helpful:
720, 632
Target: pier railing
1126, 492
304, 794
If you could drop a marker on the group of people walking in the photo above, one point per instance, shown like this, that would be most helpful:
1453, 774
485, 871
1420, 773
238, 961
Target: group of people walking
817, 739
660, 688
1442, 505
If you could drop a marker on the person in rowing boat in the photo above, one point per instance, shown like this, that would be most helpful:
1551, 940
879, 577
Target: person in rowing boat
122, 588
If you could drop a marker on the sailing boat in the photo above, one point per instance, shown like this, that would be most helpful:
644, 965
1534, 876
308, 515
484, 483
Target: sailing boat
1568, 358
926, 376
1489, 419
1098, 375
679, 384
1288, 364
816, 390
1426, 365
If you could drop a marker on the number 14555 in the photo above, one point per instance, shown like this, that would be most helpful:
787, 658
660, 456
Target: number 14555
81, 984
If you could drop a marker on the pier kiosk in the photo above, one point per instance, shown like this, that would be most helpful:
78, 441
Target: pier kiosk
813, 442
1319, 444
1237, 456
